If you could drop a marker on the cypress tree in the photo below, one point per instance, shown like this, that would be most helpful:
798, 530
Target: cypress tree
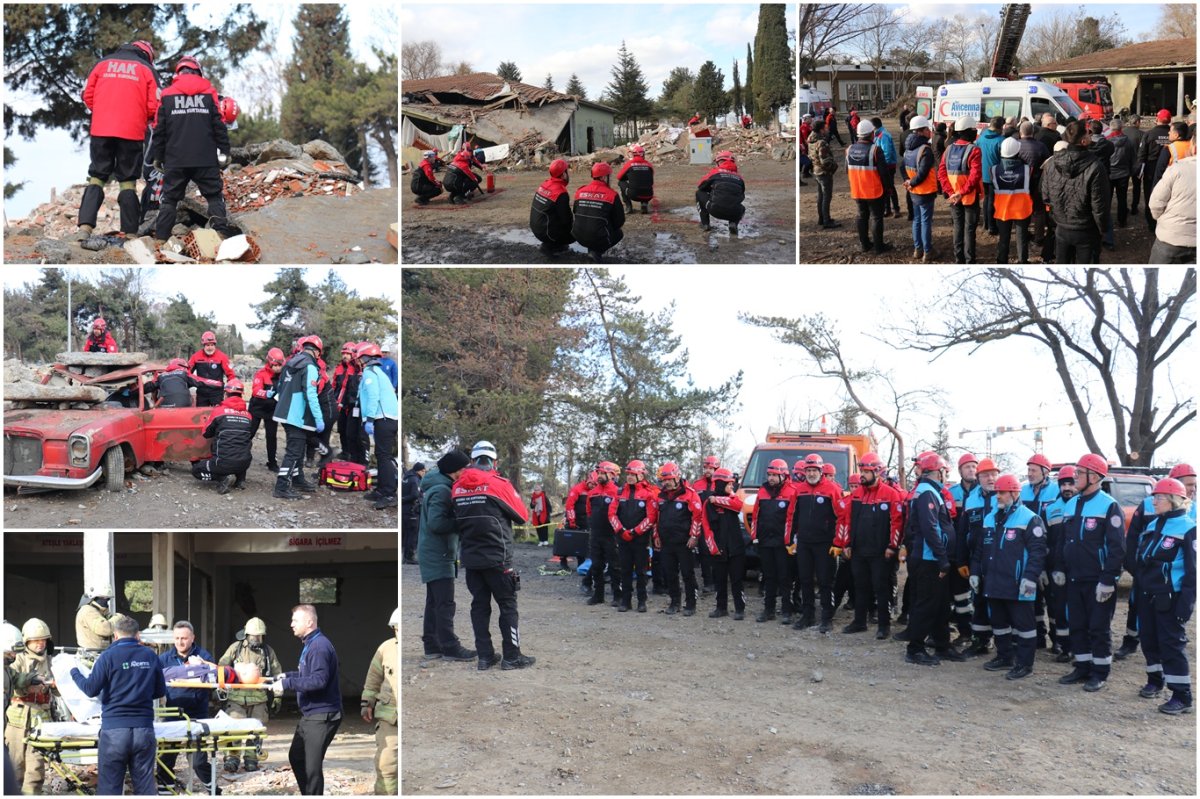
737, 90
774, 85
751, 108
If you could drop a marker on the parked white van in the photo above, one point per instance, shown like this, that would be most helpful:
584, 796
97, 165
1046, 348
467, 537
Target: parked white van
813, 102
993, 97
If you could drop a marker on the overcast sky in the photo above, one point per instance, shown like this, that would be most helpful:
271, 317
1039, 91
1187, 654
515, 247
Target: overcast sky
227, 291
1138, 18
54, 159
564, 37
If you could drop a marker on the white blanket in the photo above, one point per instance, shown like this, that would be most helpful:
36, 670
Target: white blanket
163, 730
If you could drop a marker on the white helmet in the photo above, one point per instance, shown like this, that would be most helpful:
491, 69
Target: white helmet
98, 589
865, 128
394, 621
918, 123
1060, 145
158, 620
35, 629
11, 637
964, 123
1009, 148
483, 449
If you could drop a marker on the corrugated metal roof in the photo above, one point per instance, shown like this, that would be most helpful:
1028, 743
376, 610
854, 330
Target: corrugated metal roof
483, 86
1146, 55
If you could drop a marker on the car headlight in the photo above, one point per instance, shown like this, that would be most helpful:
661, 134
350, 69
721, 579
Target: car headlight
80, 449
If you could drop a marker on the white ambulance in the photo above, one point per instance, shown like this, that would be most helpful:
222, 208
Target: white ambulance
993, 97
811, 101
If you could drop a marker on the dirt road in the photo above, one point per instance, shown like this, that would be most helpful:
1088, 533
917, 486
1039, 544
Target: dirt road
176, 499
841, 246
623, 703
495, 229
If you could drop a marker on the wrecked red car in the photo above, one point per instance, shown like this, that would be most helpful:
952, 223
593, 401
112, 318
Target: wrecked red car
48, 448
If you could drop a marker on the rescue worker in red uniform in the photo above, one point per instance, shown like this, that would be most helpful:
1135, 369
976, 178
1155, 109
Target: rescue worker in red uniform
262, 404
212, 365
723, 537
424, 182
230, 428
550, 216
866, 169
598, 214
771, 529
631, 518
602, 545
869, 537
100, 339
678, 531
172, 385
1012, 180
961, 176
460, 181
575, 511
636, 180
721, 193
814, 525
346, 376
191, 143
539, 515
122, 95
702, 484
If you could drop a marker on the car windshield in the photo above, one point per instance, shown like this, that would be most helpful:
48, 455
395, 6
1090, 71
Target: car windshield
1129, 492
1105, 97
1070, 106
756, 470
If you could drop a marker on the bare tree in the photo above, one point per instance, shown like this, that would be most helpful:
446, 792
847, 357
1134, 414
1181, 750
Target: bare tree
959, 40
420, 60
911, 54
1114, 328
878, 40
823, 28
1177, 22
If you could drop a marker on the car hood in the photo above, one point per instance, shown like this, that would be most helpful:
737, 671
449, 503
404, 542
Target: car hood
56, 424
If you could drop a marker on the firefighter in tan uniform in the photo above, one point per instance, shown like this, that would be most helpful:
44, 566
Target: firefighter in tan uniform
250, 703
30, 704
13, 643
379, 701
93, 626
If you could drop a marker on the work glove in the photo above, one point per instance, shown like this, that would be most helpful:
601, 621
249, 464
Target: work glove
1104, 592
1059, 578
158, 165
974, 581
277, 686
903, 554
889, 553
369, 427
691, 542
368, 712
835, 551
1028, 589
846, 552
1043, 579
276, 706
270, 393
791, 549
222, 159
964, 572
320, 425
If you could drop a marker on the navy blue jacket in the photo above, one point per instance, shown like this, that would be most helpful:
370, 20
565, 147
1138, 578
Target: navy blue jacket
127, 678
1047, 492
1012, 549
1092, 546
930, 528
1166, 558
317, 683
192, 701
968, 525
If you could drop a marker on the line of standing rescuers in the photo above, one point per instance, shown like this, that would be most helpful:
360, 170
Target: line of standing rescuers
1027, 566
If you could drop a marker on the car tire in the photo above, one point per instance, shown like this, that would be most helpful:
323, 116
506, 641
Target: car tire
114, 469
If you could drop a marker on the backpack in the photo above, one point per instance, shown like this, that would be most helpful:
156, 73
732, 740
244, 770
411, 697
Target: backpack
346, 476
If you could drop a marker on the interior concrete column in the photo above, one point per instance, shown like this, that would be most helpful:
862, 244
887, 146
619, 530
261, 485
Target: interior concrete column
162, 572
1179, 109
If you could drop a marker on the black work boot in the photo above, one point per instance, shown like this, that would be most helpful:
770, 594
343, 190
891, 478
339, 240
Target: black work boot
1128, 646
284, 490
299, 481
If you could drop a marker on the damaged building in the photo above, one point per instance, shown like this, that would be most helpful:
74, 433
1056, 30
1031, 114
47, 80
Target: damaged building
517, 119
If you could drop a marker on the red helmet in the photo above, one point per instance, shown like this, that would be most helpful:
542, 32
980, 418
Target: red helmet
234, 386
558, 168
368, 350
986, 465
928, 462
798, 467
1169, 485
723, 475
668, 470
1066, 473
228, 109
207, 337
829, 470
870, 461
635, 467
601, 170
1164, 115
778, 466
813, 461
275, 357
855, 480
314, 341
591, 478
1093, 463
350, 347
1182, 470
146, 48
609, 467
712, 462
1007, 482
725, 155
637, 149
176, 363
187, 62
1039, 460
967, 458
100, 324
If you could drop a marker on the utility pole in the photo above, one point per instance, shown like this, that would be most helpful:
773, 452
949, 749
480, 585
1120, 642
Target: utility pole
70, 347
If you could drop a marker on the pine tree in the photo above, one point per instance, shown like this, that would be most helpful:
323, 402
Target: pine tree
774, 84
508, 70
575, 87
627, 91
941, 438
737, 90
549, 84
751, 108
708, 96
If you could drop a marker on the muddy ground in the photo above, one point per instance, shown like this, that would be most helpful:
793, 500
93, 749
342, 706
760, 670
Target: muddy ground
624, 703
495, 229
841, 246
174, 498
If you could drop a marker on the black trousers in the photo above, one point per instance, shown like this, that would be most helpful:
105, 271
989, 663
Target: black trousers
732, 214
679, 559
1120, 188
843, 582
175, 181
271, 434
704, 559
296, 439
1164, 640
890, 197
350, 435
409, 531
634, 559
1147, 189
385, 455
307, 755
486, 585
966, 225
632, 196
813, 562
1091, 627
774, 562
872, 583
1004, 245
1012, 618
1078, 246
438, 635
728, 571
870, 214
119, 159
602, 549
213, 469
981, 617
989, 207
1056, 604
931, 606
960, 601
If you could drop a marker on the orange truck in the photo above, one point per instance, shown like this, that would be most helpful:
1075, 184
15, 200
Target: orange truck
843, 451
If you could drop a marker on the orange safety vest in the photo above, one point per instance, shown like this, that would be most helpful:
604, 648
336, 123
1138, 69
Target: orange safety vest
957, 169
1177, 150
1013, 199
930, 184
861, 160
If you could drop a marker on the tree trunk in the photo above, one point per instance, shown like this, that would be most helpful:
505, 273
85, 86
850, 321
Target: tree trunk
366, 158
388, 144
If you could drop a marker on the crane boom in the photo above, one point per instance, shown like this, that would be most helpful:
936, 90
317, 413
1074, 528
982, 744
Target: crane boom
1012, 28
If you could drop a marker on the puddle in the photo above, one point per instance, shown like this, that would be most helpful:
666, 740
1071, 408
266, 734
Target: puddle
668, 249
747, 228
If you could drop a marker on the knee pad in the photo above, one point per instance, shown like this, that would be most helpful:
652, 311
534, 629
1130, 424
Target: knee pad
95, 182
130, 185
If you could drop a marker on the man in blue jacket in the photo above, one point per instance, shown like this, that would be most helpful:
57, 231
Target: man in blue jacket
319, 696
381, 419
193, 702
298, 409
389, 366
128, 679
989, 147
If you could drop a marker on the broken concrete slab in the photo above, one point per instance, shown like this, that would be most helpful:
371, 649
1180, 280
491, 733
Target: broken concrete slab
667, 148
233, 248
322, 151
33, 392
176, 258
208, 242
141, 250
278, 148
55, 251
101, 358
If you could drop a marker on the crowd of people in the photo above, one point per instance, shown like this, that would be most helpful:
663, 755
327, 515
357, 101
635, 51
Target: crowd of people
1054, 185
1018, 566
